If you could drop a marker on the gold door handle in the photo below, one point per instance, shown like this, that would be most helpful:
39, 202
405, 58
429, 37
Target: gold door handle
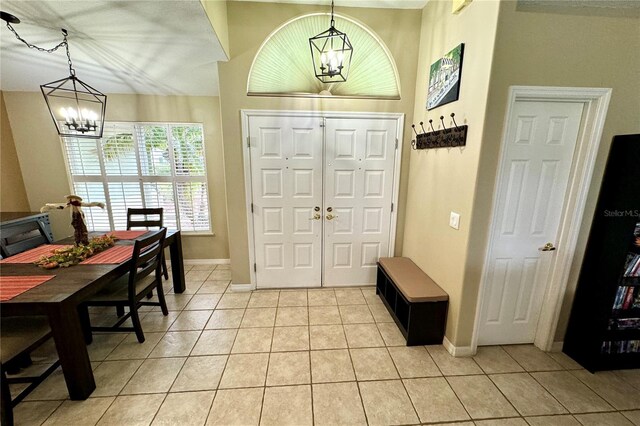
330, 216
316, 216
547, 247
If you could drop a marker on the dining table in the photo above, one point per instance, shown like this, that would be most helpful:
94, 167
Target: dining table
59, 297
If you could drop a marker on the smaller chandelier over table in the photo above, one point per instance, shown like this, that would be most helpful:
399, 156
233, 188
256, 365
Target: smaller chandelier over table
76, 108
80, 106
331, 52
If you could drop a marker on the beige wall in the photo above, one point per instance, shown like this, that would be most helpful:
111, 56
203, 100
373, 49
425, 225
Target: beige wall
13, 197
249, 25
443, 180
44, 172
216, 11
549, 49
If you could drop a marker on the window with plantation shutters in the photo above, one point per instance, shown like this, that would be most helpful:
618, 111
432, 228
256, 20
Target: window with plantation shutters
142, 165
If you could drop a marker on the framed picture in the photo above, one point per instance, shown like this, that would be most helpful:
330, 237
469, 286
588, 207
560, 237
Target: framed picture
444, 78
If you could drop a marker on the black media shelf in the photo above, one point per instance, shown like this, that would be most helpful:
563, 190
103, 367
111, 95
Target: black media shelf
601, 284
625, 313
626, 334
630, 281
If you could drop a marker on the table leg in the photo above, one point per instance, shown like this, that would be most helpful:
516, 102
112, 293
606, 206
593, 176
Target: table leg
72, 351
177, 265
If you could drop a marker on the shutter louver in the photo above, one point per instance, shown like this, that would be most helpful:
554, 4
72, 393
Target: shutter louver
119, 150
193, 203
82, 156
123, 195
97, 219
142, 165
160, 194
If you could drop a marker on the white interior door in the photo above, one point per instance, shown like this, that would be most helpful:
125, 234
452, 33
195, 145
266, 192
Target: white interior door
359, 170
536, 162
286, 183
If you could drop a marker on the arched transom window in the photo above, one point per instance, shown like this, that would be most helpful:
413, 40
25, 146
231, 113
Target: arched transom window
283, 64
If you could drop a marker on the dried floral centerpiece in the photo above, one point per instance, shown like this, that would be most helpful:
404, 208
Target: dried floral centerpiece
83, 248
72, 255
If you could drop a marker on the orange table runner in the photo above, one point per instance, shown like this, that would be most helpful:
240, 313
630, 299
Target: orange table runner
116, 254
34, 254
12, 286
126, 235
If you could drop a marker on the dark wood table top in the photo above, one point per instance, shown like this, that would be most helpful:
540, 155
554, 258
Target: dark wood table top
72, 284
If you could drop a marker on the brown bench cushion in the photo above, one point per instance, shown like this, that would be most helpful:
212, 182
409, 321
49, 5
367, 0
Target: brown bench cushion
415, 285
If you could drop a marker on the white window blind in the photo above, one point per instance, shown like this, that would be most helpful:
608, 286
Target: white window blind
142, 165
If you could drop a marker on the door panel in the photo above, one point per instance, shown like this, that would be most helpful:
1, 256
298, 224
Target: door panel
359, 173
537, 158
286, 173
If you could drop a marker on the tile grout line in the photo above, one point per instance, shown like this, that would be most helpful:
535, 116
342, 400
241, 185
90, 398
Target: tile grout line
403, 384
313, 421
225, 364
355, 376
543, 388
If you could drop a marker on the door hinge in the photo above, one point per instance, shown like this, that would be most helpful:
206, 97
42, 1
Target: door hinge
255, 268
251, 207
392, 207
248, 141
396, 143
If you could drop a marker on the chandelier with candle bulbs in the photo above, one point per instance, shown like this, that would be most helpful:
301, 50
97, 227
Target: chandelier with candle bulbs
331, 53
77, 109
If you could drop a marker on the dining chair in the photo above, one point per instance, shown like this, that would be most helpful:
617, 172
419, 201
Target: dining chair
146, 222
16, 238
131, 289
20, 336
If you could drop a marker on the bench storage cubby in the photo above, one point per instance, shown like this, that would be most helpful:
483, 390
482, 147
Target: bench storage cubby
416, 303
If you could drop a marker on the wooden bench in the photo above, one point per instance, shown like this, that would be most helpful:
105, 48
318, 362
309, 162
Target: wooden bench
416, 303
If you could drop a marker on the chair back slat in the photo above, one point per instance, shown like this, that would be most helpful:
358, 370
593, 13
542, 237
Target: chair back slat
147, 258
145, 222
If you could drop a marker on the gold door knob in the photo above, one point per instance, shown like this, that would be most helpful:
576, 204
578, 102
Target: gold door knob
330, 216
316, 216
547, 247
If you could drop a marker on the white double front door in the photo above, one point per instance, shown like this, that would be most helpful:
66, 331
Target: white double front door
322, 193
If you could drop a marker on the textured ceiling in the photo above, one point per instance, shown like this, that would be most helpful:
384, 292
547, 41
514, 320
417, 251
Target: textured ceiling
147, 47
391, 4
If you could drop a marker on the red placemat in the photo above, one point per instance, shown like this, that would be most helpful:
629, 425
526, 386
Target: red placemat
126, 235
12, 286
34, 254
117, 254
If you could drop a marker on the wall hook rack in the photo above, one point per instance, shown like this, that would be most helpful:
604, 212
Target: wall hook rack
443, 138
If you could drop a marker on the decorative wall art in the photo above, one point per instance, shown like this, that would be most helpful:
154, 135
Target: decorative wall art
444, 78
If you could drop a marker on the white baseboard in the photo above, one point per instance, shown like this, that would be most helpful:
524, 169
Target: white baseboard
207, 261
457, 351
557, 346
242, 287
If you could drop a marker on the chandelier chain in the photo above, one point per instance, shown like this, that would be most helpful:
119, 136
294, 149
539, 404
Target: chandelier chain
64, 43
33, 46
333, 22
72, 70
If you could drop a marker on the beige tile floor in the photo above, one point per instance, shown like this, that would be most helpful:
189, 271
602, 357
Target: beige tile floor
315, 356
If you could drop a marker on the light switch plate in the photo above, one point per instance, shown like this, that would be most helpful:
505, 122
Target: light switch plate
454, 220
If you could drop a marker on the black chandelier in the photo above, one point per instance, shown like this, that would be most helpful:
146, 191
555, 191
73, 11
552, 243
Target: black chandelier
331, 53
76, 108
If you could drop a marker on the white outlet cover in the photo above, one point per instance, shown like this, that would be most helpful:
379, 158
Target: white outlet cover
454, 220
